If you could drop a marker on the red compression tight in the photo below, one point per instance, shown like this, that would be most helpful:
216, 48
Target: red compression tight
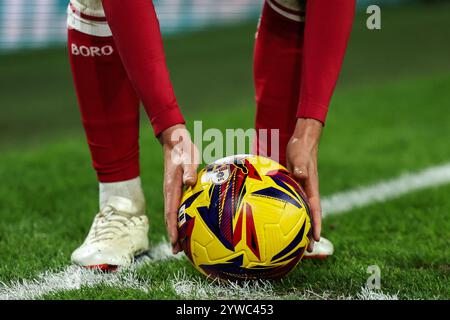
277, 76
297, 64
109, 106
112, 75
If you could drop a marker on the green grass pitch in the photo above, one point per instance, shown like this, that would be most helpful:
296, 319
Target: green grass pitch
390, 115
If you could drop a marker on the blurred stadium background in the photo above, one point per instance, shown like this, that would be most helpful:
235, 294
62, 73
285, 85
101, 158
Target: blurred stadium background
390, 115
41, 23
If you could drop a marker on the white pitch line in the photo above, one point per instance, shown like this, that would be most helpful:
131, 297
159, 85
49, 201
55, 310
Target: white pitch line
386, 190
194, 289
72, 277
203, 289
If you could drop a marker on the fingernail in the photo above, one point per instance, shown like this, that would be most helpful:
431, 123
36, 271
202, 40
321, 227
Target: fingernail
176, 248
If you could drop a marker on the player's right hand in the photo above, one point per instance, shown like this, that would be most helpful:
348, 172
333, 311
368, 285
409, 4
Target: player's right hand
181, 160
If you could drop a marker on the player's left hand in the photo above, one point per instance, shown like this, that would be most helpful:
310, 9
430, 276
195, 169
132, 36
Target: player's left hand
181, 160
301, 154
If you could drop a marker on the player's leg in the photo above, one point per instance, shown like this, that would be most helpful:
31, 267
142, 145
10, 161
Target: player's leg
277, 74
110, 113
137, 34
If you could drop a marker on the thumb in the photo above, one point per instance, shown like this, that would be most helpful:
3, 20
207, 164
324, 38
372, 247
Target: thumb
190, 174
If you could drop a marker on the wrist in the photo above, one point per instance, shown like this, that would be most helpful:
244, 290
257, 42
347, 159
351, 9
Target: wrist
308, 131
172, 135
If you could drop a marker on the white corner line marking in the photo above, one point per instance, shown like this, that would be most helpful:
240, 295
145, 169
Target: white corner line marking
386, 190
74, 277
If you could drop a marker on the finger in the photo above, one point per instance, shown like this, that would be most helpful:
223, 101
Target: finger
191, 162
172, 229
313, 228
302, 176
316, 213
311, 245
312, 191
177, 248
172, 199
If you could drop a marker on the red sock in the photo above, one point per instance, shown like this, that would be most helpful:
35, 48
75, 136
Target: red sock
109, 106
277, 75
136, 32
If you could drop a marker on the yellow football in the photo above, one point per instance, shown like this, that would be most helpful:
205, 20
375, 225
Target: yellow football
246, 218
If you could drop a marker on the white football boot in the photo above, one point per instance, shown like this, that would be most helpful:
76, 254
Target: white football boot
118, 234
322, 250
